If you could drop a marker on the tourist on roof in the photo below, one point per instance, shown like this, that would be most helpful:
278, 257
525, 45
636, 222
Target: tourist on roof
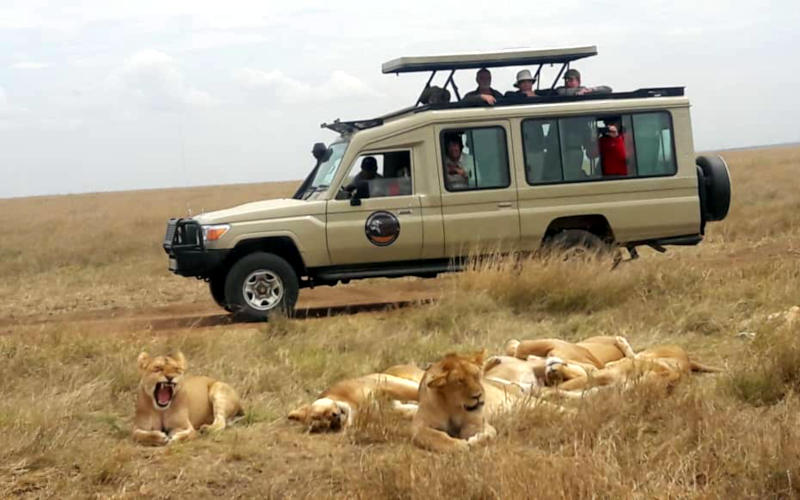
572, 85
484, 92
524, 83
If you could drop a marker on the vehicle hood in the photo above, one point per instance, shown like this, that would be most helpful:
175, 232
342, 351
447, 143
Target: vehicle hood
260, 210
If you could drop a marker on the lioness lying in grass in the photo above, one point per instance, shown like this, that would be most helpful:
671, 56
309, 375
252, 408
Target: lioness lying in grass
337, 406
591, 353
455, 401
665, 363
171, 406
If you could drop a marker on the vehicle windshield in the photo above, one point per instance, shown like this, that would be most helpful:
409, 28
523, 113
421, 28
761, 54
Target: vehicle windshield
323, 173
327, 169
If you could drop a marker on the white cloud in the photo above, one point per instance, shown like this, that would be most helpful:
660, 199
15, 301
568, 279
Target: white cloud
338, 85
155, 80
3, 100
30, 65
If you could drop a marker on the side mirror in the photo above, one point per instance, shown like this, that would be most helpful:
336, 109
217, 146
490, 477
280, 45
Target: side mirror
319, 151
355, 201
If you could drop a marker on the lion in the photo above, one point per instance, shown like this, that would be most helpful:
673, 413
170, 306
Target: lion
336, 407
592, 353
172, 406
456, 400
664, 363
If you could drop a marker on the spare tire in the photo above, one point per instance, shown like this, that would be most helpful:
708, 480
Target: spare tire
715, 186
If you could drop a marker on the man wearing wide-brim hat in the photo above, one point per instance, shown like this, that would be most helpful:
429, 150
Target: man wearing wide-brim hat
524, 83
572, 85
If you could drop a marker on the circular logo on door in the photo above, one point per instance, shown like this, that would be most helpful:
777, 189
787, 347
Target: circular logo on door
382, 228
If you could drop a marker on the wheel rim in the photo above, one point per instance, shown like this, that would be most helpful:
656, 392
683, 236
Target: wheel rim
263, 290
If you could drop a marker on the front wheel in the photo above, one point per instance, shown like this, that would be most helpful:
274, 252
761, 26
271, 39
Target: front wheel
260, 285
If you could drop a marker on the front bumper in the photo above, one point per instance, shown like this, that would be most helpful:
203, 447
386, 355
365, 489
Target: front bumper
188, 256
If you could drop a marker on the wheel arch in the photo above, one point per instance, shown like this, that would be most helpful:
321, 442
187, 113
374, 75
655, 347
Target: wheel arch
596, 224
282, 246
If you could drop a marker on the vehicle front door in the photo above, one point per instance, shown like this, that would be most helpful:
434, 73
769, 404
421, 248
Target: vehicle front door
376, 216
479, 198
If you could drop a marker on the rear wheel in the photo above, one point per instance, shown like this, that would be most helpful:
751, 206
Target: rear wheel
260, 285
577, 244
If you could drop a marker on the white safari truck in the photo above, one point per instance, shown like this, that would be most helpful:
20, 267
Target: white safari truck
414, 192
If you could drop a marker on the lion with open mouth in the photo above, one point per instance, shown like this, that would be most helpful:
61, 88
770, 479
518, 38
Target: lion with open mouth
172, 406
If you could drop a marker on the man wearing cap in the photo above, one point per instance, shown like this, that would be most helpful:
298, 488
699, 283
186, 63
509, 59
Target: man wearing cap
484, 92
572, 85
524, 83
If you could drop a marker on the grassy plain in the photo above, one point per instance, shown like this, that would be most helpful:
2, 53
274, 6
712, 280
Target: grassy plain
70, 266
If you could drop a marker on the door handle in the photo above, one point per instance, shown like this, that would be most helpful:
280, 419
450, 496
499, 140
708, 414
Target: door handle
404, 211
504, 204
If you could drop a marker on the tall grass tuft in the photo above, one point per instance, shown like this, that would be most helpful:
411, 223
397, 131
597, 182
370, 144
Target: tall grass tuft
771, 370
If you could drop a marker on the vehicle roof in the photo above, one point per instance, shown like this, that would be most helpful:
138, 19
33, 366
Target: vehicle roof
532, 110
515, 57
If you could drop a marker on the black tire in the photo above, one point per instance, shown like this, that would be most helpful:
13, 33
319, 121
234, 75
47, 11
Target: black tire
716, 186
577, 244
216, 285
260, 285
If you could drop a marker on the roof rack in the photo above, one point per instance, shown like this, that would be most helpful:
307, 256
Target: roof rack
516, 57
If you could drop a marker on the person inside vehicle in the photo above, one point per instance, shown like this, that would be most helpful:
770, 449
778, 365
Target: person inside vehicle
524, 85
572, 85
612, 151
360, 183
457, 164
484, 93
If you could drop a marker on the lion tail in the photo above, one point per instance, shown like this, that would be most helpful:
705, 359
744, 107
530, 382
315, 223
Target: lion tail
700, 367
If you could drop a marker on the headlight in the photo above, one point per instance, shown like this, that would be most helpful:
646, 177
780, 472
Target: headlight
215, 232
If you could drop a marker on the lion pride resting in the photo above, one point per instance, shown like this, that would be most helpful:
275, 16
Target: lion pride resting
171, 406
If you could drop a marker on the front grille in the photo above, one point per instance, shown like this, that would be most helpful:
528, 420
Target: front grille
182, 234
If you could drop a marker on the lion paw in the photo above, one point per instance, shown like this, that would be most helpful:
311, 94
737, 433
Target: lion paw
511, 347
624, 346
212, 428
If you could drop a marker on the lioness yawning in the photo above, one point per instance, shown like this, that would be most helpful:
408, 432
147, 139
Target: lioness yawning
171, 406
337, 406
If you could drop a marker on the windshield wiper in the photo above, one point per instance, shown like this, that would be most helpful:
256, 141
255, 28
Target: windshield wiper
310, 191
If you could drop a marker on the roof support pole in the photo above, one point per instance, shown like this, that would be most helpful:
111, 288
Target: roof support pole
428, 84
453, 83
563, 68
536, 76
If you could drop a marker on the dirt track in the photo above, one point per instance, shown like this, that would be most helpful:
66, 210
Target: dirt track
312, 303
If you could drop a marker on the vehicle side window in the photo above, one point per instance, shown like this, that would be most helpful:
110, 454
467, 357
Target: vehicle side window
602, 147
579, 150
542, 154
653, 138
379, 174
475, 158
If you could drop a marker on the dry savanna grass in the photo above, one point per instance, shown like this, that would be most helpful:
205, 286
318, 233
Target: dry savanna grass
66, 402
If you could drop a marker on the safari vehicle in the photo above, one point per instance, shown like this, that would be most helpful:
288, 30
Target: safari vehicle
529, 184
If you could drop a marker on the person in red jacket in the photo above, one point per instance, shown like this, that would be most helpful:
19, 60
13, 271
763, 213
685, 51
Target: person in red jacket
612, 152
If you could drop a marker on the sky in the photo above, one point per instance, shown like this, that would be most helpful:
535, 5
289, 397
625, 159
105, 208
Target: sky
100, 95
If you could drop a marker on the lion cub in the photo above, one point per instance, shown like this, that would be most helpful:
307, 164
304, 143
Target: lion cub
171, 406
